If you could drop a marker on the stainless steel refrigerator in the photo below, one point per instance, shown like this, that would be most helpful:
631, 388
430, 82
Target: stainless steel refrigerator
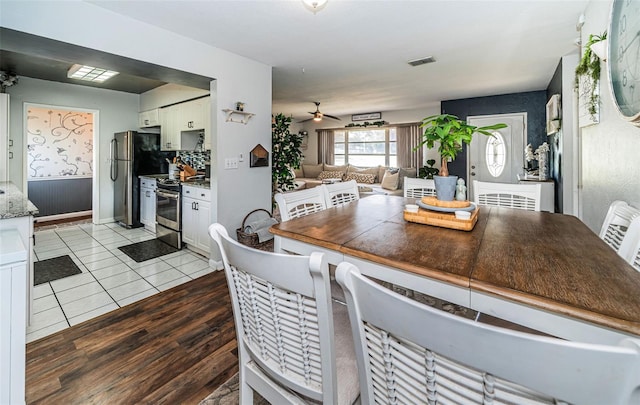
133, 154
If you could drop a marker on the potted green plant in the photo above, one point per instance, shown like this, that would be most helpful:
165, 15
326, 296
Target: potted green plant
286, 154
589, 67
428, 171
450, 133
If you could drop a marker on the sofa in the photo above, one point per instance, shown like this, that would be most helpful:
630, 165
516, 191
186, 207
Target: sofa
371, 180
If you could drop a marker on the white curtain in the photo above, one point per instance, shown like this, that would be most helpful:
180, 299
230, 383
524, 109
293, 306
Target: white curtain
409, 137
325, 146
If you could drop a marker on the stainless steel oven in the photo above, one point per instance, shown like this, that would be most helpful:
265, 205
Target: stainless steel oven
168, 212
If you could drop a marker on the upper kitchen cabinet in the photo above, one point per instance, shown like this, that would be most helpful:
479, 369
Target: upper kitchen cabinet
183, 121
150, 118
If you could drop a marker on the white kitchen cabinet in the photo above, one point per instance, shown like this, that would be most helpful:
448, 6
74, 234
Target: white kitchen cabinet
148, 203
194, 115
196, 218
169, 133
14, 281
150, 118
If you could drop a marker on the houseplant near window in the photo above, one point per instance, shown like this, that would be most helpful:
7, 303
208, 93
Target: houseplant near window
450, 132
286, 154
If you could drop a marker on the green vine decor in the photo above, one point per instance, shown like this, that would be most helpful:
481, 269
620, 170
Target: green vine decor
286, 154
589, 66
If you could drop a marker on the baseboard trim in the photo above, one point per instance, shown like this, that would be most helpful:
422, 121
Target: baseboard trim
216, 264
58, 217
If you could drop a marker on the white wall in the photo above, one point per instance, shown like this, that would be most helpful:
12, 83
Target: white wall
236, 191
392, 117
610, 149
117, 111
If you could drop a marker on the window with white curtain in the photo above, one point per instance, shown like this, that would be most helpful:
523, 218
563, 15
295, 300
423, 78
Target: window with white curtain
366, 147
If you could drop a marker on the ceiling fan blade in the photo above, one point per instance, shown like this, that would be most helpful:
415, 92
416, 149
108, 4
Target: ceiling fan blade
331, 116
311, 112
300, 122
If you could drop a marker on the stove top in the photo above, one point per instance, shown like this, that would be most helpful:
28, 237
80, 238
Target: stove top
169, 184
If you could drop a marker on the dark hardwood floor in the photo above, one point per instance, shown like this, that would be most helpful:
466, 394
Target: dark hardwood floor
175, 347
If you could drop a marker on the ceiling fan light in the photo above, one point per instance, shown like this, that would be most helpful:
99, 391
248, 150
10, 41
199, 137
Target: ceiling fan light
314, 5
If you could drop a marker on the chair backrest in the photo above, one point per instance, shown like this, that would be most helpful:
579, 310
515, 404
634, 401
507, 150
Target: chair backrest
630, 246
300, 203
409, 352
418, 188
340, 193
282, 313
519, 196
616, 223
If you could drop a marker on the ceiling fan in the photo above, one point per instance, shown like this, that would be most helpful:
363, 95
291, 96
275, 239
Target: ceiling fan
317, 115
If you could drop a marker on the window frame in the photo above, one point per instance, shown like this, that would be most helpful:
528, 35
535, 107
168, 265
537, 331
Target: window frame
387, 144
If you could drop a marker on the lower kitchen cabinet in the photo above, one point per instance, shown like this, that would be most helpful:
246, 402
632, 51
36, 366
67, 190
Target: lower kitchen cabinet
196, 218
148, 203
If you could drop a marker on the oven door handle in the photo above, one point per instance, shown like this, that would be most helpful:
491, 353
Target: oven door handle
173, 196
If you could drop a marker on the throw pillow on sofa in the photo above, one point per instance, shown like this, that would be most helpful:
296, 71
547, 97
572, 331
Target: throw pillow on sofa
334, 168
366, 170
330, 175
312, 171
298, 173
390, 180
365, 178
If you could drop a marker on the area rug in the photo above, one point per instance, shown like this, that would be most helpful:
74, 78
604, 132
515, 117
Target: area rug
228, 394
147, 250
54, 269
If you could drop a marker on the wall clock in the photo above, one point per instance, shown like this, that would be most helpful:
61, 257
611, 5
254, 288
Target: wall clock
624, 58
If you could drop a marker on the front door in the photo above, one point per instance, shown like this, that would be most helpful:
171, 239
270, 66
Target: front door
498, 158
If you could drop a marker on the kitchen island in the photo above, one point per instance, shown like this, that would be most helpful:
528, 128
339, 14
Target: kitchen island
16, 284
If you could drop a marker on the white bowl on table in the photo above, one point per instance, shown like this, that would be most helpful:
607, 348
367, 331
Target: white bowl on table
413, 208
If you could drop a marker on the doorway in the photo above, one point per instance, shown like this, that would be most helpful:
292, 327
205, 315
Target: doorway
498, 158
60, 161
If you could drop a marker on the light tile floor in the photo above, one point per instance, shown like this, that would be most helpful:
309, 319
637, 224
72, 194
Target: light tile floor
109, 278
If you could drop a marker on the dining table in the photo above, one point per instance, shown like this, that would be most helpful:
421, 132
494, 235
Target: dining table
545, 271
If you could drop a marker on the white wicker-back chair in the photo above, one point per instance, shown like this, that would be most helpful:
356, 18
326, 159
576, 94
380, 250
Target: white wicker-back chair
410, 353
630, 246
296, 204
616, 223
418, 188
287, 343
340, 193
519, 196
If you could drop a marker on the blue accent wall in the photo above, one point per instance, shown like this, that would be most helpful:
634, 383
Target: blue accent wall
533, 103
61, 196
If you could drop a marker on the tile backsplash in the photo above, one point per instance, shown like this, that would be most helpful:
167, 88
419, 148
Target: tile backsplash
195, 159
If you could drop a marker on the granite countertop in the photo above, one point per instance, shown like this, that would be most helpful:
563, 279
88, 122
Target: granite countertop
197, 183
13, 203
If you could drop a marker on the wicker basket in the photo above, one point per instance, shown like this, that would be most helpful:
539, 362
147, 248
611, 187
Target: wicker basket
251, 239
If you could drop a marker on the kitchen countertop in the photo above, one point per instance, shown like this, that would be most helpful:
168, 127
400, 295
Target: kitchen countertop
200, 183
13, 203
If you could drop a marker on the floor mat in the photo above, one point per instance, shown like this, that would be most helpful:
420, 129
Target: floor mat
54, 269
147, 250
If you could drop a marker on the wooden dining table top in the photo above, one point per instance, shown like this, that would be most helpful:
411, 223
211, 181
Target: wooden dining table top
552, 262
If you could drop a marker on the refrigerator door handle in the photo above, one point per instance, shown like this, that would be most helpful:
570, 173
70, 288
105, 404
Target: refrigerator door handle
113, 158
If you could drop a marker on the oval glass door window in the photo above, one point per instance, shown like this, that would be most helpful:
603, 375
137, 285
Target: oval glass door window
496, 154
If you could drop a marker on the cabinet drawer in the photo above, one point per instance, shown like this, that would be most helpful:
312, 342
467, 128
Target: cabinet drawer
197, 192
146, 182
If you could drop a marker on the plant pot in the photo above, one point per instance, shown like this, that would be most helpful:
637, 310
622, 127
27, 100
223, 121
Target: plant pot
445, 187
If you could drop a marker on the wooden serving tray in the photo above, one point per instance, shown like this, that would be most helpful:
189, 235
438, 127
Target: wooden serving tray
434, 202
442, 219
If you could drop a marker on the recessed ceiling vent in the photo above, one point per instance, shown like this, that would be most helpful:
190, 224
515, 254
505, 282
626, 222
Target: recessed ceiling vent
423, 61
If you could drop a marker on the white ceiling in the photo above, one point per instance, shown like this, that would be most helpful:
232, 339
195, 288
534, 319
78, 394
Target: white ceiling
352, 56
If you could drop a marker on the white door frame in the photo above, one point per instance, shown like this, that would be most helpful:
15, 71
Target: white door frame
95, 187
525, 132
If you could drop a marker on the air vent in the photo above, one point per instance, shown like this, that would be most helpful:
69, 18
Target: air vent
423, 61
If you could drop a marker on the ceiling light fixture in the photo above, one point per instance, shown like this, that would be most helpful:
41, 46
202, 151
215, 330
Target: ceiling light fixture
423, 61
90, 73
315, 5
